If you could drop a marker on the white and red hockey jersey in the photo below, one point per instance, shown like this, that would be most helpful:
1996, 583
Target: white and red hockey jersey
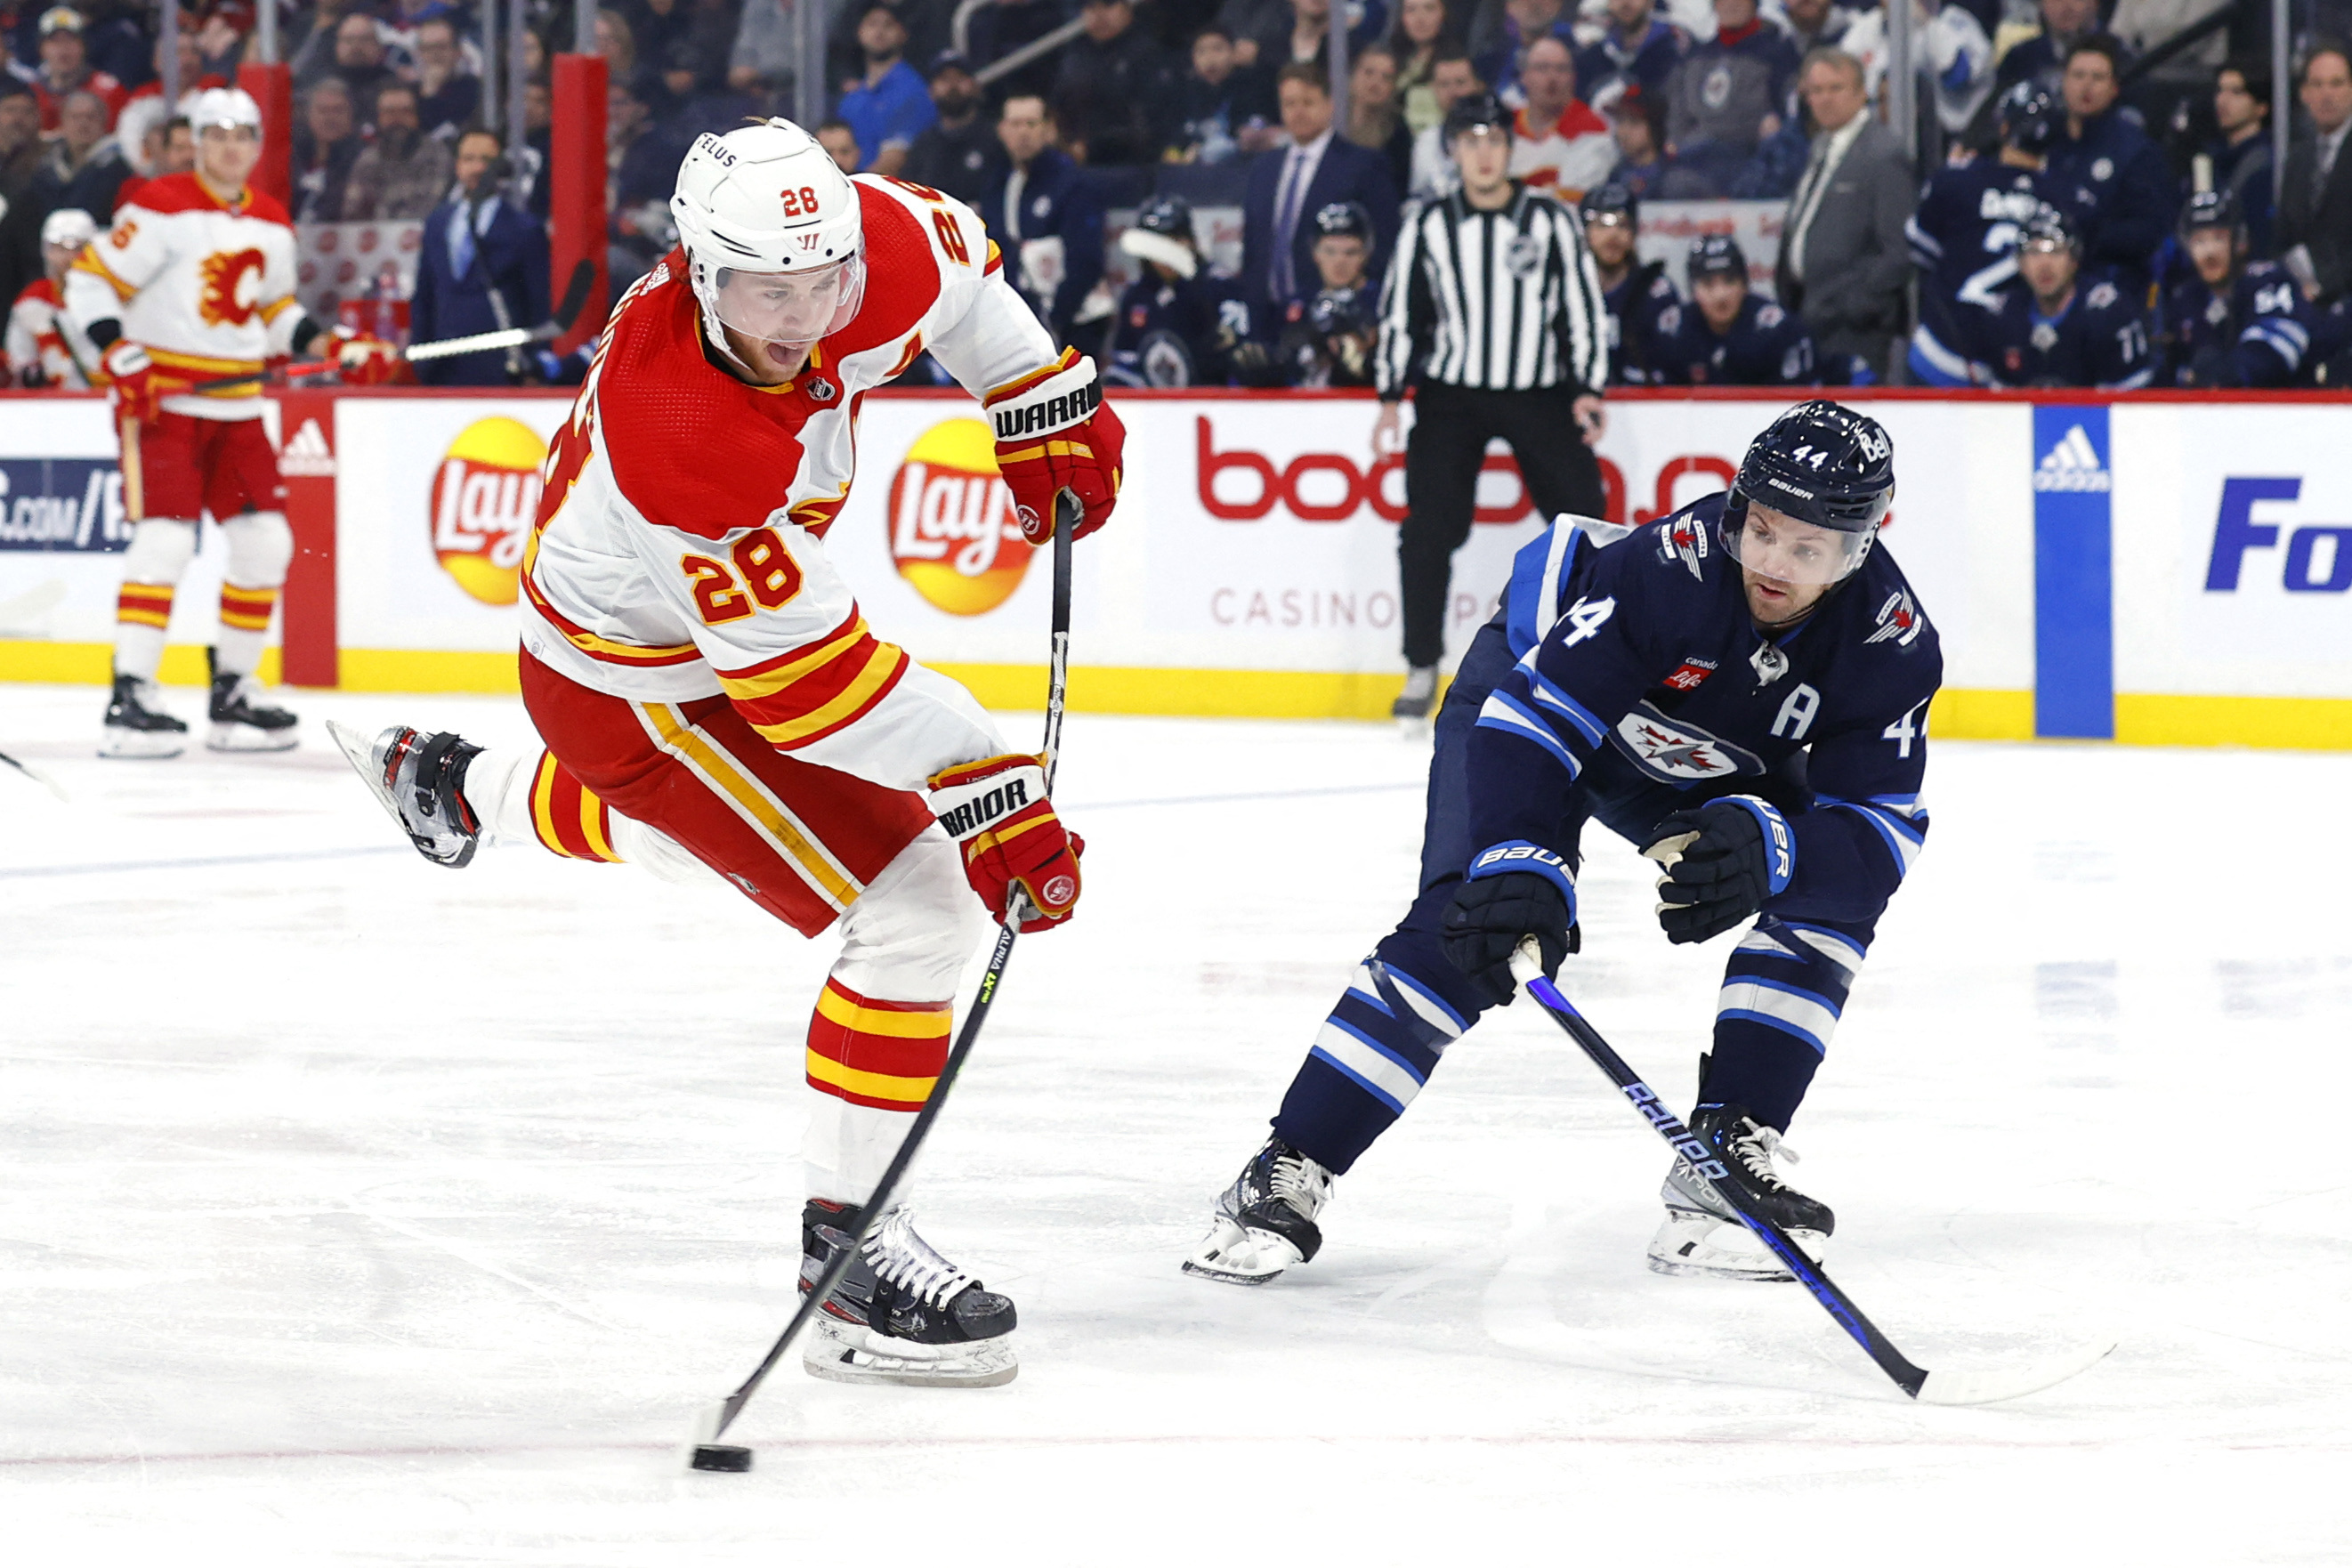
42, 351
205, 285
677, 552
1567, 157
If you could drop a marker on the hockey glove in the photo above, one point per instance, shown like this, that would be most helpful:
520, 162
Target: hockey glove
996, 811
1054, 432
1722, 861
1512, 891
363, 359
138, 387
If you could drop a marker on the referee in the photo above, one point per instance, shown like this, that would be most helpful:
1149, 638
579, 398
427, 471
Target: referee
1492, 311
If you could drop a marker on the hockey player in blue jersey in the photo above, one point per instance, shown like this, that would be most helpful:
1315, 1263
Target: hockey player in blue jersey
1327, 337
1642, 306
1964, 232
2057, 328
1740, 690
1179, 325
1730, 336
2231, 322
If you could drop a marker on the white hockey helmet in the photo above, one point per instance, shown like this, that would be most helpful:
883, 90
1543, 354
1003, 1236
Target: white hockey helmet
68, 228
223, 106
774, 245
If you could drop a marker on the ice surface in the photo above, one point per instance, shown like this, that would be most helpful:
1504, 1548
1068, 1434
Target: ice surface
357, 1211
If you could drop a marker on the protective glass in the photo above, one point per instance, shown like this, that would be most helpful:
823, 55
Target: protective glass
1774, 545
796, 308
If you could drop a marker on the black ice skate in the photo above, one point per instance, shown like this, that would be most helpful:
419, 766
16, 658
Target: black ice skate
1419, 695
240, 722
902, 1313
417, 777
1265, 1221
1703, 1235
135, 728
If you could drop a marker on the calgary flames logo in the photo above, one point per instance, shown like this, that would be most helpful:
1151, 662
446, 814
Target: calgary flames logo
953, 530
232, 283
484, 495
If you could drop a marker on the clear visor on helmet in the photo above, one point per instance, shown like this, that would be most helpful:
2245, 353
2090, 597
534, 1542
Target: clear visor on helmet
1773, 544
794, 307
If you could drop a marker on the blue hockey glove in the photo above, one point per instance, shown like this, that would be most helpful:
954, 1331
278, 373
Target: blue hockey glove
1722, 861
1511, 891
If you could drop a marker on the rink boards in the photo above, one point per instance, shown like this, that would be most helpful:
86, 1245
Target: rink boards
2150, 568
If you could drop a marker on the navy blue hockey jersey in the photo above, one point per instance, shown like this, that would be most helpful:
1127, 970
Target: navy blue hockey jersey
2099, 339
1767, 346
1329, 338
1963, 236
1644, 310
1179, 331
2256, 333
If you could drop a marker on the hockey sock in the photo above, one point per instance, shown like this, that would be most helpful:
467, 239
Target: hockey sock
566, 817
1374, 1052
1783, 991
244, 627
874, 1064
142, 611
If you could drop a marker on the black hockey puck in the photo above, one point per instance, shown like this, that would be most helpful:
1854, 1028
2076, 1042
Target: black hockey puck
720, 1457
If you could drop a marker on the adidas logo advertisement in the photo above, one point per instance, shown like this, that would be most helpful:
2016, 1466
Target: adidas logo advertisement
2072, 464
308, 456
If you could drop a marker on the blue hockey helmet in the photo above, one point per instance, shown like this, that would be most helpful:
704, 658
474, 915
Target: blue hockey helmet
2213, 209
1170, 215
1344, 220
1820, 464
2028, 119
2049, 229
1612, 199
1717, 255
1476, 111
1162, 233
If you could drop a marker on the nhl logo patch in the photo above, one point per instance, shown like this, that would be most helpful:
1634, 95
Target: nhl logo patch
1523, 256
820, 390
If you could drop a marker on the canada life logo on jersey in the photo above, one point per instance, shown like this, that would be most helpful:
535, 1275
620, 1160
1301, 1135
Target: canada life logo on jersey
952, 531
485, 494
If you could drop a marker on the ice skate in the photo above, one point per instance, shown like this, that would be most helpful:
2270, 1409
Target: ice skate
1265, 1221
240, 722
902, 1313
135, 727
1411, 710
1702, 1235
417, 779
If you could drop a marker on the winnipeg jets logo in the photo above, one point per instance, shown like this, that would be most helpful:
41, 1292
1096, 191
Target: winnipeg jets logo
1898, 618
1679, 753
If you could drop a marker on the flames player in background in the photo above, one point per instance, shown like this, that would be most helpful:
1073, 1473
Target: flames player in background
195, 282
42, 348
1741, 689
714, 706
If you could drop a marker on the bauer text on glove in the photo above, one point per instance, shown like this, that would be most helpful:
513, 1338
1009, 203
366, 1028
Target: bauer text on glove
1722, 861
1510, 892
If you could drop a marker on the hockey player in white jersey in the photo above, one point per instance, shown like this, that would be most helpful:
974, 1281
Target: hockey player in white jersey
715, 708
42, 348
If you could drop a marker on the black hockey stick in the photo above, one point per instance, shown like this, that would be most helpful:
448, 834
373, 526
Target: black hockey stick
1928, 1387
37, 776
709, 1454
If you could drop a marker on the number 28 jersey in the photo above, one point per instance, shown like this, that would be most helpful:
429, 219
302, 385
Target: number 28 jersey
677, 552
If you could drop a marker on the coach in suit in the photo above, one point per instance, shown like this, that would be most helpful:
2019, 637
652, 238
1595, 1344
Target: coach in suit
1843, 261
480, 255
1289, 186
2314, 210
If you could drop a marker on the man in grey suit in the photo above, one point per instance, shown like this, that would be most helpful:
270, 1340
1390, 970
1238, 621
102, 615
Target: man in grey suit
2314, 210
1843, 261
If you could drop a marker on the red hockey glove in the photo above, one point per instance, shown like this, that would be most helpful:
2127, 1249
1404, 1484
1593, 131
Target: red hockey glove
137, 386
996, 810
363, 359
1054, 432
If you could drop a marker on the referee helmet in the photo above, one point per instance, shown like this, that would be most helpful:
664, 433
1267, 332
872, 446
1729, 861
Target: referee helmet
1474, 112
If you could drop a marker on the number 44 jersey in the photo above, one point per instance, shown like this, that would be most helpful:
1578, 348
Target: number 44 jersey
677, 549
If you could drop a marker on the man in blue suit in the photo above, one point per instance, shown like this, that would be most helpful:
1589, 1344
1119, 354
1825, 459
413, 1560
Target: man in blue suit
1045, 216
482, 268
1288, 187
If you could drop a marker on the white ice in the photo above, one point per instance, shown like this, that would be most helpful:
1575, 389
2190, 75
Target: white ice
357, 1211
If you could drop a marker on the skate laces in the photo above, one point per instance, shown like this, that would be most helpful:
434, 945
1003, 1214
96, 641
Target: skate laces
1300, 1183
901, 1257
1756, 1147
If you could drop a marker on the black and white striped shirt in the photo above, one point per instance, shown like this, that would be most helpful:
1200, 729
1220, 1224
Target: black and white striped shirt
1502, 301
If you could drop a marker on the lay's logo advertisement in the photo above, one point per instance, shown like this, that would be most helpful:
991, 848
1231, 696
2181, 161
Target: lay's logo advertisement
952, 531
485, 494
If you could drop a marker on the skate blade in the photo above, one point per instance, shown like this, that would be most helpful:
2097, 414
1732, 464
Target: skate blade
250, 738
1701, 1246
1232, 1254
359, 750
152, 743
840, 1353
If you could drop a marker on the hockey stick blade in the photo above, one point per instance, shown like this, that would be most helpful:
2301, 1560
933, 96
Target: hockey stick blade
1955, 1388
567, 311
38, 777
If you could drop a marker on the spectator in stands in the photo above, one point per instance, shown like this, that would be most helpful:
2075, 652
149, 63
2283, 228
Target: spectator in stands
2052, 333
449, 98
2241, 157
1843, 262
2315, 215
1641, 153
1309, 39
2043, 57
2124, 202
403, 172
655, 25
1815, 24
1044, 217
534, 170
1725, 95
1374, 118
359, 60
145, 109
2231, 321
954, 151
766, 53
170, 150
65, 69
889, 106
1257, 29
1951, 60
1637, 47
1111, 95
1434, 172
642, 158
20, 138
325, 148
1643, 309
1558, 143
1500, 34
1423, 28
839, 140
698, 106
618, 43
84, 168
482, 268
1006, 28
1223, 109
116, 37
1730, 336
1286, 188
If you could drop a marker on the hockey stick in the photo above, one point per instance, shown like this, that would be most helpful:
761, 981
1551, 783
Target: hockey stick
709, 1453
567, 313
1925, 1387
38, 777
